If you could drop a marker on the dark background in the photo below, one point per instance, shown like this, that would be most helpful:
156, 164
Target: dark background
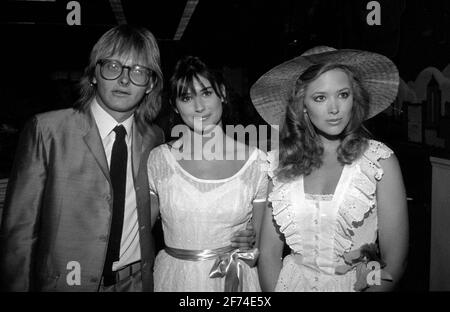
42, 57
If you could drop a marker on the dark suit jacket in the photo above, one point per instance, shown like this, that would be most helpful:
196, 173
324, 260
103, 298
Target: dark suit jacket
58, 205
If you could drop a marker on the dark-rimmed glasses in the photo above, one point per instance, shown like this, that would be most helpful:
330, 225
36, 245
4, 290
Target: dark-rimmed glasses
112, 69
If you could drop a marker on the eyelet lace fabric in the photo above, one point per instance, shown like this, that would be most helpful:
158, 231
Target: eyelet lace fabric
319, 230
199, 214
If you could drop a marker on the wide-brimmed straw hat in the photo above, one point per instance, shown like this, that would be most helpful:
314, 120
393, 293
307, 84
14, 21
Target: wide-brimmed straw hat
378, 74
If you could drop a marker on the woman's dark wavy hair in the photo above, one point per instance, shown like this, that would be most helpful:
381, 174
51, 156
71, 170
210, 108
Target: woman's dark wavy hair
300, 147
126, 40
190, 68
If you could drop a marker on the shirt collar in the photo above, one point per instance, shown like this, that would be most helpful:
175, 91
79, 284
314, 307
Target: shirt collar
106, 123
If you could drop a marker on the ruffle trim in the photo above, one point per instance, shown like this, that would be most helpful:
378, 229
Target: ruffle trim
360, 199
359, 202
272, 163
284, 215
282, 209
263, 161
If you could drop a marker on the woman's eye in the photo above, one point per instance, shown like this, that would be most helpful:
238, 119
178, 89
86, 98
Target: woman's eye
319, 98
185, 98
344, 95
207, 93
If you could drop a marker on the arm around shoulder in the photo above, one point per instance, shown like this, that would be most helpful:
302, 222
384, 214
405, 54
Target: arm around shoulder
271, 246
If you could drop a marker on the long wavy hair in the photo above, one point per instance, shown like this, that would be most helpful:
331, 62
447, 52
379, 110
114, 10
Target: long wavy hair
126, 40
301, 149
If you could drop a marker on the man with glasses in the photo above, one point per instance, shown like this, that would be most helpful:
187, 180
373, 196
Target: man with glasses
77, 215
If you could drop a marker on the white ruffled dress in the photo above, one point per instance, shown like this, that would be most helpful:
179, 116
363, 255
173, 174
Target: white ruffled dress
319, 229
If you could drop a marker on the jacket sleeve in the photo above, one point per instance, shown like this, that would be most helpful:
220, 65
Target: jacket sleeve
20, 223
160, 139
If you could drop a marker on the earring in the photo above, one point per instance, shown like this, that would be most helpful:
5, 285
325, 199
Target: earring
309, 125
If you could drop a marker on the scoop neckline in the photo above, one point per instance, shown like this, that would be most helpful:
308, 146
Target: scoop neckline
191, 176
337, 189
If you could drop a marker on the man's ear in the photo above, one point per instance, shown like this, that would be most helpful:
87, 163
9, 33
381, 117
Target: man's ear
149, 89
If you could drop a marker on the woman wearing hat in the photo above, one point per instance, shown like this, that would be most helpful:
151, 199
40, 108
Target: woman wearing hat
337, 199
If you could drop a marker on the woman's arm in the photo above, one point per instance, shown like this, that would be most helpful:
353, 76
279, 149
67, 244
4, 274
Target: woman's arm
258, 214
246, 239
154, 203
393, 232
250, 236
271, 245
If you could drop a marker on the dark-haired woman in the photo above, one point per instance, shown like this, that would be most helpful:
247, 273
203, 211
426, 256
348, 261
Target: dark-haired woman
206, 187
338, 198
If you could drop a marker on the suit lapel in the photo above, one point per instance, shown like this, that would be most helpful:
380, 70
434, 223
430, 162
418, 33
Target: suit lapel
137, 147
143, 142
95, 144
141, 147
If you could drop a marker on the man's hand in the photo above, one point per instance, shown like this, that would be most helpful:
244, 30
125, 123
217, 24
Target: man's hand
244, 239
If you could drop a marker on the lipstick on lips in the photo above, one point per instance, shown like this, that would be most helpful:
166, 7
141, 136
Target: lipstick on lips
334, 121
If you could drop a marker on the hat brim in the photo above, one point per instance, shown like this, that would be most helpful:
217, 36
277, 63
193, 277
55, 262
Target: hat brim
378, 74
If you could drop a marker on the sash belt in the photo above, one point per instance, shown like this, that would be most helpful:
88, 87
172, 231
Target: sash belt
228, 264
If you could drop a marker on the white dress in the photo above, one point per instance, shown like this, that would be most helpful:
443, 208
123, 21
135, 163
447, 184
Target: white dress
199, 214
320, 229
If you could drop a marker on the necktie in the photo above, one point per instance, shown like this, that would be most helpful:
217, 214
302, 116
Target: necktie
118, 173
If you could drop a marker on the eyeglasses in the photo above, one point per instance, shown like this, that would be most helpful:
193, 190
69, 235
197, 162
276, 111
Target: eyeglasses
112, 69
